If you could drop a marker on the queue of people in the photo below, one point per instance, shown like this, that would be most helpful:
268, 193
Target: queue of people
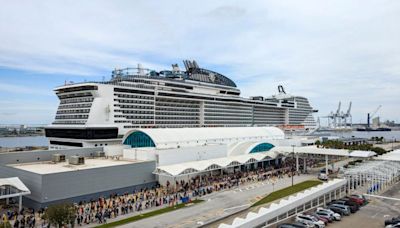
105, 208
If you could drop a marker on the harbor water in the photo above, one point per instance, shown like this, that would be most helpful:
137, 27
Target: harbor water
24, 141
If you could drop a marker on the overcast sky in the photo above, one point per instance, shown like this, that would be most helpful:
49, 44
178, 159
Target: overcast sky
327, 51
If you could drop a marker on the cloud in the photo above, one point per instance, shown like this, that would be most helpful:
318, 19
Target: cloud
324, 50
20, 89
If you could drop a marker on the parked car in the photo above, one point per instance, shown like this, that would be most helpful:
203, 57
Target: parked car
356, 200
320, 218
323, 171
323, 176
345, 210
304, 225
393, 226
392, 221
309, 220
361, 197
335, 215
326, 215
353, 206
292, 225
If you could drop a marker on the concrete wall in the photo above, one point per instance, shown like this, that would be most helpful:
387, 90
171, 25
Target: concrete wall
63, 185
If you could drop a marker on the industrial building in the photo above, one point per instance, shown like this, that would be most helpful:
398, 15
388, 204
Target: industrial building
86, 173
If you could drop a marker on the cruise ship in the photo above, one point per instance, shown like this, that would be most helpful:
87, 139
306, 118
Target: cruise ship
97, 114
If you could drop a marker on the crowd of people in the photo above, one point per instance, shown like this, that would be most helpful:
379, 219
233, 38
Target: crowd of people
172, 193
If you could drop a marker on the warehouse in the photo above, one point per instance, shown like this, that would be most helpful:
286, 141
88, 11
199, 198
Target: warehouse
86, 173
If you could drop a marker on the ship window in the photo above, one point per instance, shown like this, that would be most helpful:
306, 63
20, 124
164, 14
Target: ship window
88, 133
66, 143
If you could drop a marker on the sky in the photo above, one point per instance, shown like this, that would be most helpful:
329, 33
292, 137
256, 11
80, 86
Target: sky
327, 51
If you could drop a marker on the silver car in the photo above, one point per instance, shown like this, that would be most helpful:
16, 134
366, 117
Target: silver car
336, 216
309, 220
344, 208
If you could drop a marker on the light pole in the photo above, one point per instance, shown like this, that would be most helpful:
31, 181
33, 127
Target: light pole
292, 160
392, 143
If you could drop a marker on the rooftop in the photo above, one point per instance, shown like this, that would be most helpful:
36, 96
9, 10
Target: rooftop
49, 167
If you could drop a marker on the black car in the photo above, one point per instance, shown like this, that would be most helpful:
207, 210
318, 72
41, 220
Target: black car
392, 221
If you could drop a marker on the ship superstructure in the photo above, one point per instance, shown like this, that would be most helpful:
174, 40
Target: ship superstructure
94, 114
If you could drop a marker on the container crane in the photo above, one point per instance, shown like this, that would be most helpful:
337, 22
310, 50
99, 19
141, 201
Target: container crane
347, 116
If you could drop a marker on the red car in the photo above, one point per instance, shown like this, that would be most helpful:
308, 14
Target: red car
320, 218
357, 199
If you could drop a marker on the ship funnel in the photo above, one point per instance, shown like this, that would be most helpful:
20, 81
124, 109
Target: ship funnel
140, 69
175, 68
281, 89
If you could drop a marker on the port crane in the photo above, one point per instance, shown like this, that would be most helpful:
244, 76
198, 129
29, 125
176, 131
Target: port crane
339, 119
371, 115
347, 116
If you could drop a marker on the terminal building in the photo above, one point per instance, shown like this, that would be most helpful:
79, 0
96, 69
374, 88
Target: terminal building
146, 157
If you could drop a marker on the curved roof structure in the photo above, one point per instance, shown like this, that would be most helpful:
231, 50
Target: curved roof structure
15, 183
183, 137
203, 75
213, 164
244, 147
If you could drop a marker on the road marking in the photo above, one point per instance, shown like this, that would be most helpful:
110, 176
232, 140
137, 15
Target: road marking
382, 197
230, 208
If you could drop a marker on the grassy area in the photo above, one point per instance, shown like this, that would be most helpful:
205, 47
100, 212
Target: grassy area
287, 191
149, 214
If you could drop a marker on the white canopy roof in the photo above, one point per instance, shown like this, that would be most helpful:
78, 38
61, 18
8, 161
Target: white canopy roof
275, 209
362, 154
212, 164
16, 183
170, 137
323, 151
391, 156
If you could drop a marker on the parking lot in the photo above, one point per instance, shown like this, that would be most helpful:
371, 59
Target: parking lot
374, 214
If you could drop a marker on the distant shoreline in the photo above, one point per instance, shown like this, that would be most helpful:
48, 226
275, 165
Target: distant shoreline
17, 136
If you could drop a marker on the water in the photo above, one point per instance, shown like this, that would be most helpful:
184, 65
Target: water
24, 141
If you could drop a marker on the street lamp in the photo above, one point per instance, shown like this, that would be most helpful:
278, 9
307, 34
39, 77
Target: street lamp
292, 160
392, 143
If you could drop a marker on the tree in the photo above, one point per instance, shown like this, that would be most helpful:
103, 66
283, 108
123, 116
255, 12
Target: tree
378, 150
5, 225
61, 214
317, 143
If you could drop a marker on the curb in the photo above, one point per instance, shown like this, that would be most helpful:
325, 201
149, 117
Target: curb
223, 217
